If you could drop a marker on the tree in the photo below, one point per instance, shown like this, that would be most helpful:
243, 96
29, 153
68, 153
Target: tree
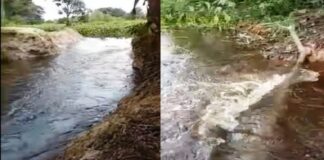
36, 15
2, 12
153, 14
139, 13
85, 16
99, 16
115, 12
21, 11
70, 8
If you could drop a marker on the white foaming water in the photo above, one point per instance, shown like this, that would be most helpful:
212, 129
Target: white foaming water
100, 45
234, 98
192, 106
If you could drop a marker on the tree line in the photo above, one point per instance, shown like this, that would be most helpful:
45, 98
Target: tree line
21, 11
26, 12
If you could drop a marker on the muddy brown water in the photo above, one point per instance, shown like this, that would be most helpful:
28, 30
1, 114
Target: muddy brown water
46, 102
222, 103
304, 120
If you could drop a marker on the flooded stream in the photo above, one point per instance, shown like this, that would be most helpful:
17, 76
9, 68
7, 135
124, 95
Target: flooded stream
219, 102
45, 103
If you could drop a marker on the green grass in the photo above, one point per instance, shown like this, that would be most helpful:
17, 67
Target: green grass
113, 28
49, 27
107, 29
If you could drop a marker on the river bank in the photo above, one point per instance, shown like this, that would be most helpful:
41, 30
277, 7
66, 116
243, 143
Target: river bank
133, 130
275, 43
270, 39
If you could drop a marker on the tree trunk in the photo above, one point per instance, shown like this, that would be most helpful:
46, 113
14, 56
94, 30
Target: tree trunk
2, 13
68, 20
153, 15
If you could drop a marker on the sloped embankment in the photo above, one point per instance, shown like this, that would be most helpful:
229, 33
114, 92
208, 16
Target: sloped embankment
19, 43
133, 130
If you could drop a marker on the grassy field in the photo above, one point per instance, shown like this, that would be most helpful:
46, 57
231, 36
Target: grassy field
113, 28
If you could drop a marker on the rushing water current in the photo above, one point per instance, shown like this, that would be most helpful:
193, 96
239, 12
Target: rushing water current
44, 103
222, 103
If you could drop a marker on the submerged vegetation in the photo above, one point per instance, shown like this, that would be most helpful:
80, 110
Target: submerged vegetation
224, 14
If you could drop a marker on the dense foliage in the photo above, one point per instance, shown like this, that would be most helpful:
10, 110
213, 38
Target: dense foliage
225, 13
18, 11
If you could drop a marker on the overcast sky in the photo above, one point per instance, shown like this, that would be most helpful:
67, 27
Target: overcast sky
51, 10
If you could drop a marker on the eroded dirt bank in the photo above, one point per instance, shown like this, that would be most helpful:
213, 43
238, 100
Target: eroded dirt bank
133, 130
18, 43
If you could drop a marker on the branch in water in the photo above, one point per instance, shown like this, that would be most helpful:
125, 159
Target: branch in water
296, 39
303, 51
